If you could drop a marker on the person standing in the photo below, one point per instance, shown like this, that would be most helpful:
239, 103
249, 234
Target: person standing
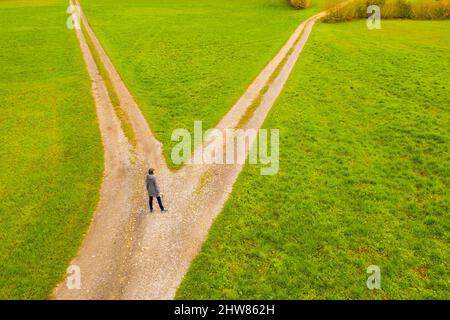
153, 190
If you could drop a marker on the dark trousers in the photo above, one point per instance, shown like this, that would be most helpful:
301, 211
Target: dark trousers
150, 201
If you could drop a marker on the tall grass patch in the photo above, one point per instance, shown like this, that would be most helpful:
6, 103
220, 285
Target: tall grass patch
300, 4
389, 9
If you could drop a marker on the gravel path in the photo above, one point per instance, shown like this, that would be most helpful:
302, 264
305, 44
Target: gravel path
127, 252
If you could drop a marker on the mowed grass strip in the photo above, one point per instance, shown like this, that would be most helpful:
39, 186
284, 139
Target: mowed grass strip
187, 60
257, 101
364, 176
51, 159
125, 122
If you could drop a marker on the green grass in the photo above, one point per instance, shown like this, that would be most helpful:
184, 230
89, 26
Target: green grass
364, 176
187, 60
252, 107
51, 159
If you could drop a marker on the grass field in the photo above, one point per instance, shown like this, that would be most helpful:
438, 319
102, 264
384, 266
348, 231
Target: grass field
364, 176
51, 159
186, 60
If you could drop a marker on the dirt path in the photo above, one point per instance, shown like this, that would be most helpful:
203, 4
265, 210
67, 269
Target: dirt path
127, 252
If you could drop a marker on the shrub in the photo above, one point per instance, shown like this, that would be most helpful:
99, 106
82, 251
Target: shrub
360, 7
338, 13
397, 9
300, 4
436, 9
404, 8
390, 9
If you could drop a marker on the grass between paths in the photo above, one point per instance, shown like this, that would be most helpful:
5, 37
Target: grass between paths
252, 108
115, 101
187, 60
364, 175
51, 159
256, 103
